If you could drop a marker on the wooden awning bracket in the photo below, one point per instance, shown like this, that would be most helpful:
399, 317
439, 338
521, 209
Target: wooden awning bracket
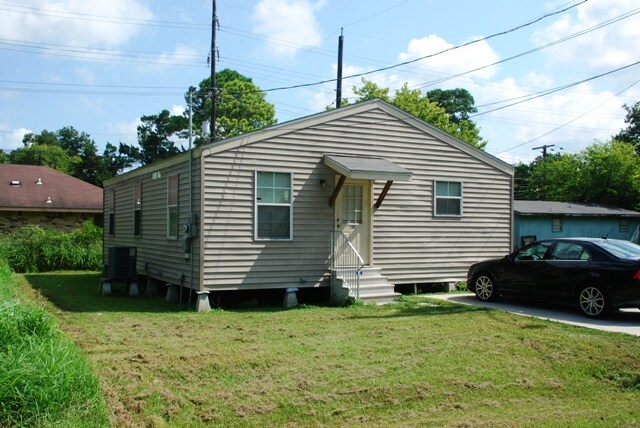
383, 194
336, 191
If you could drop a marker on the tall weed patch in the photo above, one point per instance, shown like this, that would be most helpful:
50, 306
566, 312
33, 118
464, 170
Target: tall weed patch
45, 379
33, 249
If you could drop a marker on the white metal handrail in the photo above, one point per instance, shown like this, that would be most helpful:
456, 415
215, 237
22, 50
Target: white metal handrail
346, 262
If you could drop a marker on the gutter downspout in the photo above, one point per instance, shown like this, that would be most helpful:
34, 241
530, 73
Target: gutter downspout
191, 90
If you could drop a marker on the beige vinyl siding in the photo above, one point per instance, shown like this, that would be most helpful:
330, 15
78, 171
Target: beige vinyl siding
158, 256
233, 259
409, 243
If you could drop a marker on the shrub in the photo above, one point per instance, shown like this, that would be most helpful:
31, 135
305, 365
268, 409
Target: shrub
34, 249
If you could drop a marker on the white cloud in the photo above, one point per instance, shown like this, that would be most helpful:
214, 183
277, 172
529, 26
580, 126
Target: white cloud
456, 61
606, 48
515, 159
73, 22
287, 25
12, 139
570, 119
181, 55
125, 132
178, 110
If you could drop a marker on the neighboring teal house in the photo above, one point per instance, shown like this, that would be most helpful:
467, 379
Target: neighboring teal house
544, 219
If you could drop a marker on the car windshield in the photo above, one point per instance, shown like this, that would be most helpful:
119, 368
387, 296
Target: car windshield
621, 249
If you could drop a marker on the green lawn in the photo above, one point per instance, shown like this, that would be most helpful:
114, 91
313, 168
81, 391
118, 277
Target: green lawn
414, 363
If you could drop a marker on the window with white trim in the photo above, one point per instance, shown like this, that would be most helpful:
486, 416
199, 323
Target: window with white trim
172, 207
448, 198
274, 205
352, 202
556, 225
137, 209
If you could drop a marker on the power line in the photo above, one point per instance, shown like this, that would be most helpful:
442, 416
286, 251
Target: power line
390, 67
571, 121
84, 49
79, 16
195, 62
539, 48
556, 89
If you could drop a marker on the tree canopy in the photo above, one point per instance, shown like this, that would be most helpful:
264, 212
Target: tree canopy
240, 105
154, 138
603, 173
631, 134
454, 121
240, 108
71, 152
458, 102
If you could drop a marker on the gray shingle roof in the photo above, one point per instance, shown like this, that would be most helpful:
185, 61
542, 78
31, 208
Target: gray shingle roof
568, 208
366, 167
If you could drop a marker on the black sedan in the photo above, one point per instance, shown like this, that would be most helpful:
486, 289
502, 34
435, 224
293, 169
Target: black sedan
596, 275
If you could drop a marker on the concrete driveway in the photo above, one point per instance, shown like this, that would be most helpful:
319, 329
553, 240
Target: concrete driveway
623, 321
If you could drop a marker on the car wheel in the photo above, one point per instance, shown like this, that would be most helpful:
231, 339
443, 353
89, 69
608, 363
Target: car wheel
593, 302
485, 287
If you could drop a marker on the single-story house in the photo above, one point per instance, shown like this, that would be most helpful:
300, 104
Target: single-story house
363, 197
39, 195
547, 219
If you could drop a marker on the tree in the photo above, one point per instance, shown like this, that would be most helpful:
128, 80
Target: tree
458, 103
611, 173
50, 155
114, 161
240, 108
370, 91
603, 173
555, 177
71, 152
521, 180
91, 164
154, 138
414, 102
45, 137
240, 105
631, 134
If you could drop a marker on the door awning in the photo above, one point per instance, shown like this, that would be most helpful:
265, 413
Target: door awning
366, 168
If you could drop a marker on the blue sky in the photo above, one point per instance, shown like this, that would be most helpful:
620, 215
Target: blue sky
99, 66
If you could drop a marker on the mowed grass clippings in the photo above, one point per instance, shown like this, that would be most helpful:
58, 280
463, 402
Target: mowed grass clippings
414, 363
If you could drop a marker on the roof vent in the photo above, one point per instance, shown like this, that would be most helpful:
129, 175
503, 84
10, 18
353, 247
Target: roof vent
49, 201
15, 183
39, 181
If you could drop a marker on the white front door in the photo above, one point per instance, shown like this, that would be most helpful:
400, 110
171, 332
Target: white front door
353, 216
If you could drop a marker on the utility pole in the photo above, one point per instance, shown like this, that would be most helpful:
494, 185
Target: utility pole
339, 79
544, 167
214, 22
544, 149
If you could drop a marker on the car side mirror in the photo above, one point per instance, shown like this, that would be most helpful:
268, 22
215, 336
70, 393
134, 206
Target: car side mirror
509, 258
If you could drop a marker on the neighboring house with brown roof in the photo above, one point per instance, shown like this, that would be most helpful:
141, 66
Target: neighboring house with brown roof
42, 196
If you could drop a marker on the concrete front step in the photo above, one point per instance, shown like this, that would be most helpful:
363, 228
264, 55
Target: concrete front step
374, 288
379, 299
